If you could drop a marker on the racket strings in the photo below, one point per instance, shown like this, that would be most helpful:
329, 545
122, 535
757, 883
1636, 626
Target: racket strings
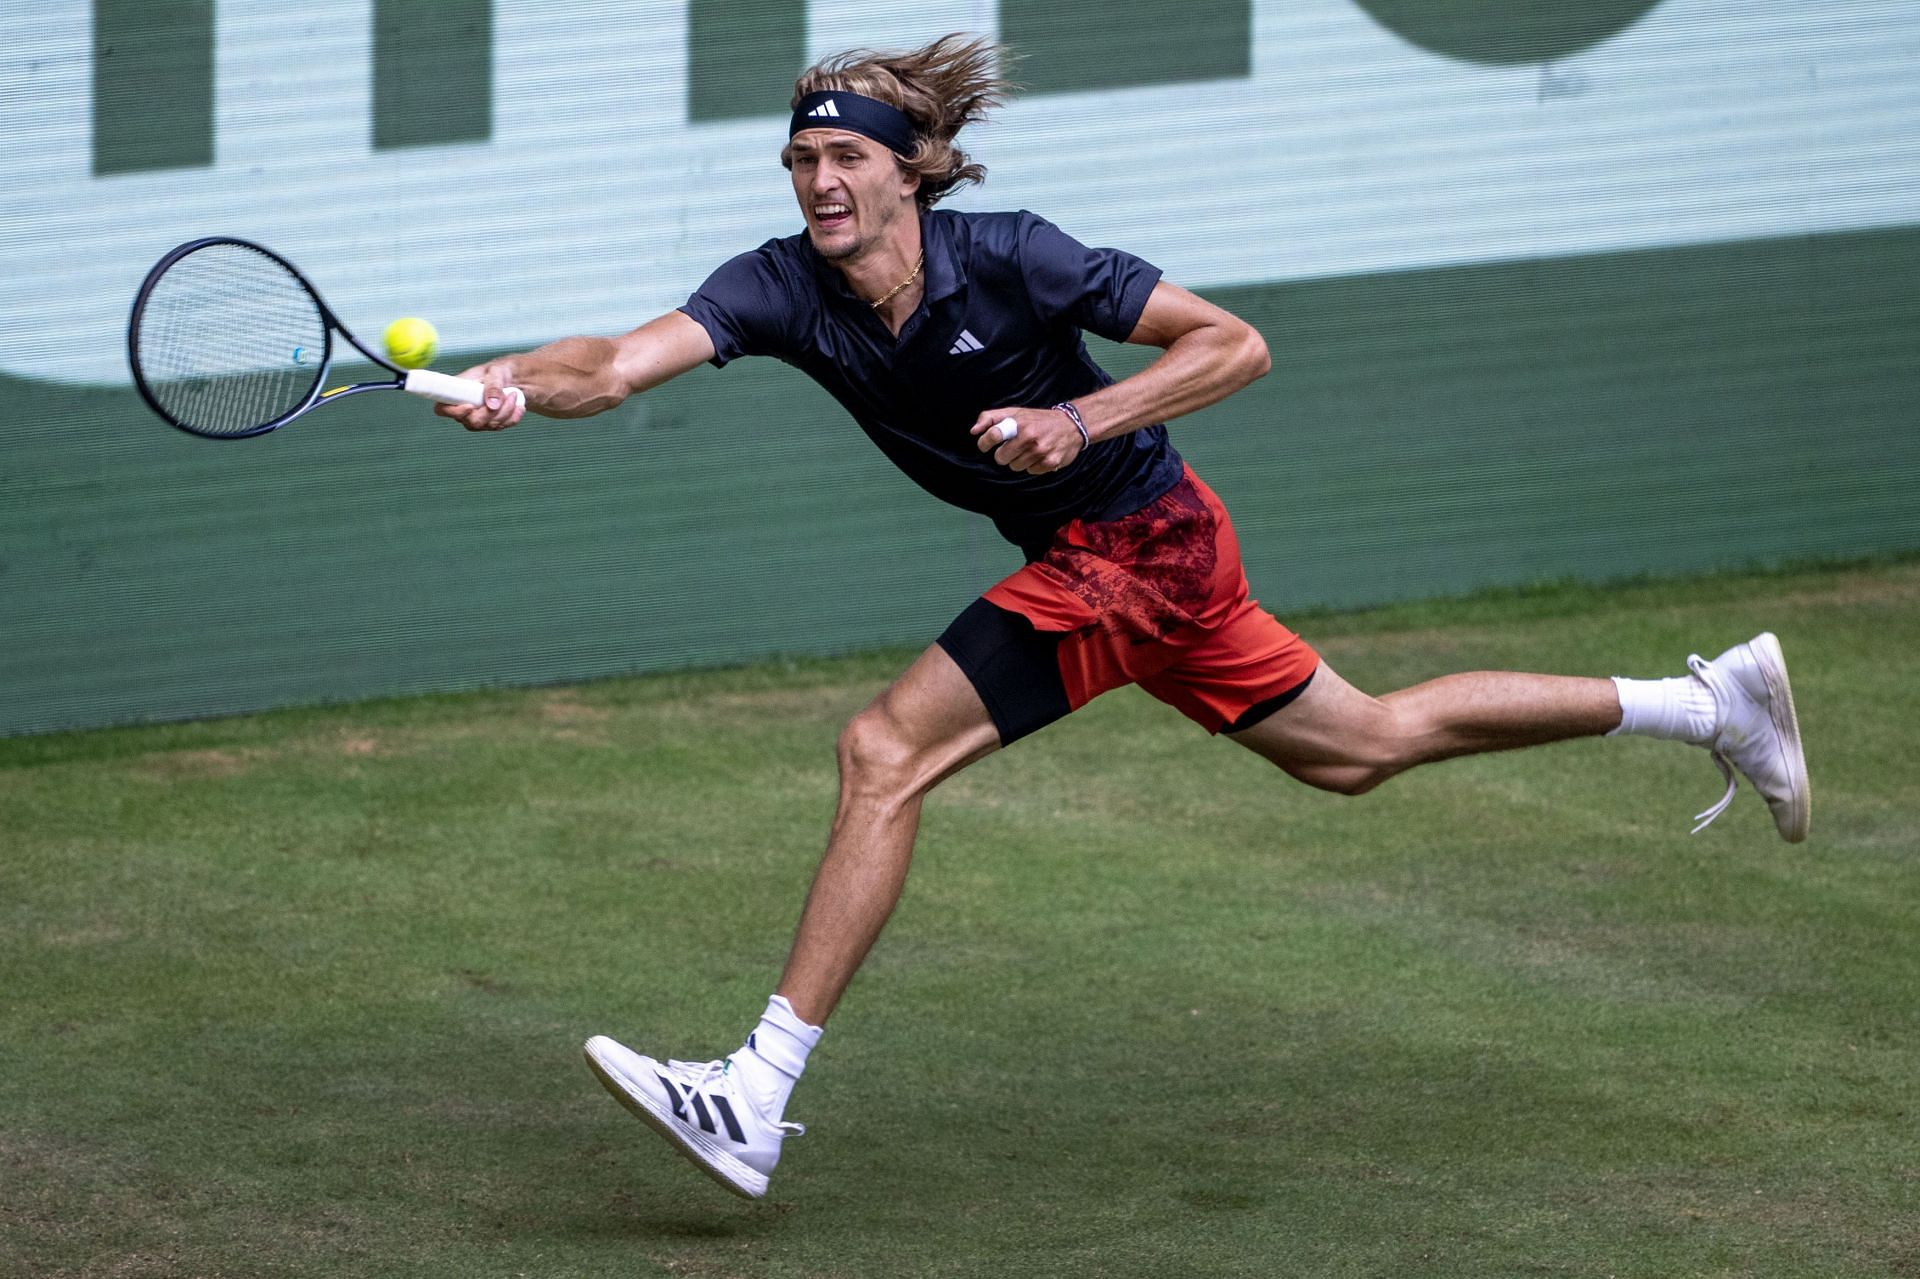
230, 340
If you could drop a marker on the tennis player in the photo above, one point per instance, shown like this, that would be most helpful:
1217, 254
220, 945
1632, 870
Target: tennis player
954, 341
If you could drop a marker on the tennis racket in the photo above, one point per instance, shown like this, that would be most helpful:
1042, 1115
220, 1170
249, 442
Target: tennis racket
228, 340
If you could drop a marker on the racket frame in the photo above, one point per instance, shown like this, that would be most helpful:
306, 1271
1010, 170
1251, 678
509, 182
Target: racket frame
329, 320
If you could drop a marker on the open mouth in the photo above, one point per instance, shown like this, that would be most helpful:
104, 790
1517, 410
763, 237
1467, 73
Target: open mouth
829, 217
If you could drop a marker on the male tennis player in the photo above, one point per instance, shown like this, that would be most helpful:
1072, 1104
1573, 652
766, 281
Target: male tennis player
954, 340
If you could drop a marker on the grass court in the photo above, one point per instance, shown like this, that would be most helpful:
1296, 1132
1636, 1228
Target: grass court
303, 994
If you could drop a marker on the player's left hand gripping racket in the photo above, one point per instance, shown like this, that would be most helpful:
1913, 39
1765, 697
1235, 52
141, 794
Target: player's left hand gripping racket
228, 340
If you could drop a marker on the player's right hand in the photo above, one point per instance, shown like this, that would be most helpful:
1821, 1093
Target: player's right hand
505, 403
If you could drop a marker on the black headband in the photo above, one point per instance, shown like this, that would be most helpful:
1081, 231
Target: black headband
868, 117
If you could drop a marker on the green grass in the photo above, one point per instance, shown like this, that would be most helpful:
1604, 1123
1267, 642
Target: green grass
303, 994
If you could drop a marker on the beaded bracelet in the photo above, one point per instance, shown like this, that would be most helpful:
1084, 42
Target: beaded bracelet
1073, 416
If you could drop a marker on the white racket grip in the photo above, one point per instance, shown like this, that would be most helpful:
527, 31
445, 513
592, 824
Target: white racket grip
444, 387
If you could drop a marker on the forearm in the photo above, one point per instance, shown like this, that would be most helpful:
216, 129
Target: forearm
573, 377
1200, 367
581, 376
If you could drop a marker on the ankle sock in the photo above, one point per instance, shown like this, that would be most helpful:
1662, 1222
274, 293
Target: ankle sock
770, 1062
1679, 709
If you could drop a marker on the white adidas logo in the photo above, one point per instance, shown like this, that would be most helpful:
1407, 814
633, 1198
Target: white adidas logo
966, 344
826, 109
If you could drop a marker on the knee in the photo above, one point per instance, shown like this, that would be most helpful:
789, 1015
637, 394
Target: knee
1343, 779
875, 755
1391, 744
1363, 758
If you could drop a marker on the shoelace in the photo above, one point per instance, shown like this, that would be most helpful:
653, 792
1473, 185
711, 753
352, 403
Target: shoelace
706, 1074
1701, 667
697, 1074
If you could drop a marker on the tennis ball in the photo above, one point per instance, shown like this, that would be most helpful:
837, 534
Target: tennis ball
411, 342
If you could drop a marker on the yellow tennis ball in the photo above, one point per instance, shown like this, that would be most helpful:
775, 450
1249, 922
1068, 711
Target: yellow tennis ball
411, 342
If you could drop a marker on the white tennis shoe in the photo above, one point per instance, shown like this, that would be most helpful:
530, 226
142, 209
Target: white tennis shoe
1756, 732
700, 1108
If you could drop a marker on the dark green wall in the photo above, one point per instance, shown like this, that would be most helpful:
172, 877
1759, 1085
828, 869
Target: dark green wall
1421, 434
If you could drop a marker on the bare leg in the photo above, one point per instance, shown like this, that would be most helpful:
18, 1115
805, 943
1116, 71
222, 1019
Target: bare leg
1338, 738
927, 726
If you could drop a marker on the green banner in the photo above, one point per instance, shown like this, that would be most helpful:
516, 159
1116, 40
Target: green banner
1623, 294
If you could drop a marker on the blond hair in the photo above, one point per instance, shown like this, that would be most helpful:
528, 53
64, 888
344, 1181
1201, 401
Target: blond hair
941, 89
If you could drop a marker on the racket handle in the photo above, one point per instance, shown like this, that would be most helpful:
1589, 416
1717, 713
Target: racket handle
444, 387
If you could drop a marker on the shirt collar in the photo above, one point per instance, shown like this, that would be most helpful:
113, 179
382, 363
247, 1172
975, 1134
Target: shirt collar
946, 272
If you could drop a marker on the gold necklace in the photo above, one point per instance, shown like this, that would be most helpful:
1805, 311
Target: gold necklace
891, 293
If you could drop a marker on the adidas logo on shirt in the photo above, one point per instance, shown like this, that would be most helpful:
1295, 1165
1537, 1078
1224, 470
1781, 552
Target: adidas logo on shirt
966, 345
826, 109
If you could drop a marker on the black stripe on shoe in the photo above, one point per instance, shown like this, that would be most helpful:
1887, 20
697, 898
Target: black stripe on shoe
700, 1108
673, 1094
725, 1108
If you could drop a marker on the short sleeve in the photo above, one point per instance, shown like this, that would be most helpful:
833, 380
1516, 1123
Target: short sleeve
1103, 291
747, 307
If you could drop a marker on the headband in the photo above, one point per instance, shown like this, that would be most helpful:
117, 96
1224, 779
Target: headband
870, 118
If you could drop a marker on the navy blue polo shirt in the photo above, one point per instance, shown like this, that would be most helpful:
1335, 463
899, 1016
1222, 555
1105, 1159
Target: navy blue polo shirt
1007, 297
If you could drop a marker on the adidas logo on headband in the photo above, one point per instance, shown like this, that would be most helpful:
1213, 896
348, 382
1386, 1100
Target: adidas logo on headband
856, 113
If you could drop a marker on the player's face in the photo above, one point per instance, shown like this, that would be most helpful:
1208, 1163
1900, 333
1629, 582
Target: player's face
850, 188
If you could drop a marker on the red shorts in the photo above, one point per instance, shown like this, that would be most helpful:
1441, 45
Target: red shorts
1159, 599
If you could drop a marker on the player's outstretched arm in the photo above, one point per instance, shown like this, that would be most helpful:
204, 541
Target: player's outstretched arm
581, 376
